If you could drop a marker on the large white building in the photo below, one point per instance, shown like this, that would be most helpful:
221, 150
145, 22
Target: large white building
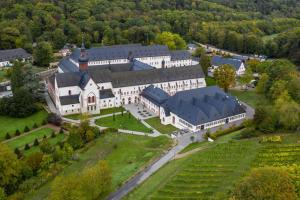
238, 65
100, 78
195, 109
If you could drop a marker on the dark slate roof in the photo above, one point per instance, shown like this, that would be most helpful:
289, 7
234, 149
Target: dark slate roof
180, 55
105, 94
13, 54
155, 95
84, 79
71, 99
143, 77
199, 106
122, 52
138, 65
67, 66
219, 60
68, 79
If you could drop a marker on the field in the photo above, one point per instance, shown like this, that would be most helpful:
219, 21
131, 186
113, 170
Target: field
9, 125
214, 171
164, 129
250, 97
52, 141
103, 112
123, 122
125, 154
29, 138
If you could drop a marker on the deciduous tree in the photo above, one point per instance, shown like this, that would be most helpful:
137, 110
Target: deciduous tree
225, 76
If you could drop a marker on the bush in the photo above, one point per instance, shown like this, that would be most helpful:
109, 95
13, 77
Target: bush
61, 130
110, 130
17, 132
44, 122
27, 147
54, 119
35, 126
18, 152
248, 132
34, 161
46, 147
36, 142
220, 133
53, 135
26, 129
7, 136
44, 137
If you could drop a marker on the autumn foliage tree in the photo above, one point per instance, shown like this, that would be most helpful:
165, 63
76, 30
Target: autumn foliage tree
225, 76
266, 183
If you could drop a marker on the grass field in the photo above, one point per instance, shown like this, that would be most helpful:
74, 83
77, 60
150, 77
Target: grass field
164, 129
29, 138
212, 173
123, 122
2, 75
250, 97
103, 112
52, 141
9, 124
125, 154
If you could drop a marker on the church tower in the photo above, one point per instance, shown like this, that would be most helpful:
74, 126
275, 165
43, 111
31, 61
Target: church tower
83, 59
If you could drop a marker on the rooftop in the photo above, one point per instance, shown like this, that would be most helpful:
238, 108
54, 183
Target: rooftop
219, 60
155, 94
13, 54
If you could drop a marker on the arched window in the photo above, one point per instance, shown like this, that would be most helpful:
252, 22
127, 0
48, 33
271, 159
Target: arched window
93, 99
89, 99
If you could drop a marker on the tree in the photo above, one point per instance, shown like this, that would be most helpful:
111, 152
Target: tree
172, 40
261, 85
247, 76
277, 88
74, 139
288, 111
34, 161
2, 194
43, 54
16, 78
46, 147
36, 142
205, 63
225, 76
10, 168
266, 183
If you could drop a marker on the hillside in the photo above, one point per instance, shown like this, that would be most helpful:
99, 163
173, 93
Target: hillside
234, 25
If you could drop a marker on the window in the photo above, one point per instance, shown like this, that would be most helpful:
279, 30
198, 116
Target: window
89, 99
70, 92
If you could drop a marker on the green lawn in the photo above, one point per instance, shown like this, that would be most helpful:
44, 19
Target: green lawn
9, 124
2, 75
103, 112
125, 154
52, 141
164, 129
27, 139
250, 97
212, 173
210, 81
123, 122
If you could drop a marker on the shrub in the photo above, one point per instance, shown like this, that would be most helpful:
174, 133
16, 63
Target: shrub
53, 135
46, 147
7, 136
36, 142
220, 133
18, 152
44, 122
26, 129
248, 132
110, 130
61, 130
44, 137
17, 132
27, 147
35, 126
34, 161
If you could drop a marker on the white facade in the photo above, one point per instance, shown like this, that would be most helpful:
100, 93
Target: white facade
240, 71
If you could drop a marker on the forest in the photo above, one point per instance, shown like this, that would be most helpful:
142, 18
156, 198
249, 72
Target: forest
270, 27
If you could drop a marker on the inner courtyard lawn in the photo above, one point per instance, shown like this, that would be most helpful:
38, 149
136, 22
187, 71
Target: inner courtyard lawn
125, 154
103, 112
125, 122
21, 141
210, 81
10, 125
249, 96
164, 129
213, 172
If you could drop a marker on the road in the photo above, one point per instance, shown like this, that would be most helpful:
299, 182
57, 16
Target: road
182, 142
